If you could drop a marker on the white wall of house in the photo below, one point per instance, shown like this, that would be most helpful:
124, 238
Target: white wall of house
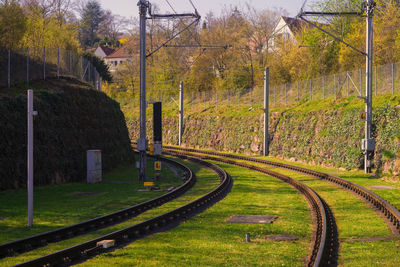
100, 53
281, 30
115, 62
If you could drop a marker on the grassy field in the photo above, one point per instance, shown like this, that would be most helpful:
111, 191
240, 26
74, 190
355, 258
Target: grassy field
208, 181
61, 205
207, 240
365, 239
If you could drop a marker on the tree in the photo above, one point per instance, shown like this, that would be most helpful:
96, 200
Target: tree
91, 17
12, 24
110, 28
44, 29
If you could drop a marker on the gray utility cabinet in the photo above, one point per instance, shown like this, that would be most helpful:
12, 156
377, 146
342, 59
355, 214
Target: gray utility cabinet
94, 172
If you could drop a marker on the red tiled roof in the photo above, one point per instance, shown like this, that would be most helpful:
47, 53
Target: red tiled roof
124, 51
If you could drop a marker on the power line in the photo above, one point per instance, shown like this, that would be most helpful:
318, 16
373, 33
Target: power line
183, 22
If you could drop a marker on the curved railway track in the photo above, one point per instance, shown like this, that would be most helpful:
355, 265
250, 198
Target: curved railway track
324, 242
42, 239
386, 209
83, 251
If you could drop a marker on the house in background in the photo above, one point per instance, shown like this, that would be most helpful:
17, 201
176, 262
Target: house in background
123, 54
286, 29
103, 51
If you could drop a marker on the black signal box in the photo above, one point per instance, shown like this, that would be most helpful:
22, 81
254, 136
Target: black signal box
157, 123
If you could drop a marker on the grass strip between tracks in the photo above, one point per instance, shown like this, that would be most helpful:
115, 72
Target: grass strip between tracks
355, 221
59, 206
56, 206
207, 240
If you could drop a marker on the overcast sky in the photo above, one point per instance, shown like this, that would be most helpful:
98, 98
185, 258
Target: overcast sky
128, 8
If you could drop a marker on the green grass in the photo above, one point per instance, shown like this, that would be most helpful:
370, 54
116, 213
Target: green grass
233, 109
355, 219
57, 205
206, 240
208, 181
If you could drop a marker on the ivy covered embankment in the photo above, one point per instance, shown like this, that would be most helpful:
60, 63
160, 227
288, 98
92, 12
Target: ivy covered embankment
327, 135
72, 118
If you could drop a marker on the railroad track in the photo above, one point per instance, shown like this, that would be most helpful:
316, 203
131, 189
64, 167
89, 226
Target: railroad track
84, 251
324, 245
26, 244
386, 209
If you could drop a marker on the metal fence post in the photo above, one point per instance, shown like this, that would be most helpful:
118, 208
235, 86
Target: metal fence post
70, 62
82, 70
27, 65
347, 80
284, 88
392, 78
376, 89
9, 68
334, 85
44, 63
58, 62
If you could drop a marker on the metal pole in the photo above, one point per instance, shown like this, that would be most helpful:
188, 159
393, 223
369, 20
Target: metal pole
27, 65
369, 143
30, 114
142, 141
44, 63
9, 68
180, 112
376, 88
285, 94
334, 85
392, 78
266, 111
347, 80
58, 62
70, 62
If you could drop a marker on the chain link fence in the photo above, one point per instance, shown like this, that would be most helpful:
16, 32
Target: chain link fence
28, 64
386, 80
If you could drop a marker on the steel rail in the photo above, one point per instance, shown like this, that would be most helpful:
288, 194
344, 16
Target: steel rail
325, 242
82, 252
388, 210
29, 243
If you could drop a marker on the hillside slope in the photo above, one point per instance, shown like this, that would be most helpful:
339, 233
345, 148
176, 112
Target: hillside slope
72, 118
320, 132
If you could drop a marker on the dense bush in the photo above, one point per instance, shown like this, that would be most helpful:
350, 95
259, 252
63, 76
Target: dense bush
70, 121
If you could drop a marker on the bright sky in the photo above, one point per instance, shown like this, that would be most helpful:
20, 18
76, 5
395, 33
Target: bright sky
128, 8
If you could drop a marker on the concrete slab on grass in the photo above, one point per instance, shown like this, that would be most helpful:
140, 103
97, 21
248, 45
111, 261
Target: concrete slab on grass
261, 219
85, 193
381, 187
282, 237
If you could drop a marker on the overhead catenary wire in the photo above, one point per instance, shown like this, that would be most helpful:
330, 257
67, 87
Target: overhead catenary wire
182, 21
